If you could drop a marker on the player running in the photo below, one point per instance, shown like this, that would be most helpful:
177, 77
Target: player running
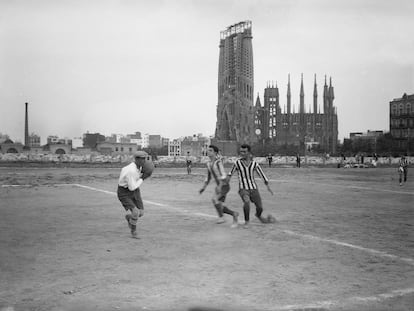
248, 190
216, 170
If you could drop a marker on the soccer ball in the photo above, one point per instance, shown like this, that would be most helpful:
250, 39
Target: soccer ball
271, 219
147, 169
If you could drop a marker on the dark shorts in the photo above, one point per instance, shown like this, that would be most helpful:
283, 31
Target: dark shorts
252, 195
130, 199
221, 192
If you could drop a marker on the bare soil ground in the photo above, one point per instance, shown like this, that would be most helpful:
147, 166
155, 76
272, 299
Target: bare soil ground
344, 240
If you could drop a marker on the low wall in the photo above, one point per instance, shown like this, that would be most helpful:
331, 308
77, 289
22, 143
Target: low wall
179, 161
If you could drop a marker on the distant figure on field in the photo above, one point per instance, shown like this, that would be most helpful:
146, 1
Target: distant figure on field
188, 162
215, 169
403, 170
270, 159
248, 190
297, 160
128, 192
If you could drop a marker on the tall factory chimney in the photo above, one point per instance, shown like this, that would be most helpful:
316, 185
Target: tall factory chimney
26, 127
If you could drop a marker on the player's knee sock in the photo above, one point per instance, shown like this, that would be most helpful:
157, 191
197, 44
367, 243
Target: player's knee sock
246, 211
134, 216
219, 209
259, 211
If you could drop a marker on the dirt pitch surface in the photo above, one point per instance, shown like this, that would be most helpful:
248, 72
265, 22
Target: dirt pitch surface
344, 240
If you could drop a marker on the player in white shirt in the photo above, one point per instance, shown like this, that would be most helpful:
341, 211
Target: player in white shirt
128, 192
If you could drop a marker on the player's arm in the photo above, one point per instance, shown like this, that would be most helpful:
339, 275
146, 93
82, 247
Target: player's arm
263, 175
220, 167
206, 181
224, 179
233, 169
259, 170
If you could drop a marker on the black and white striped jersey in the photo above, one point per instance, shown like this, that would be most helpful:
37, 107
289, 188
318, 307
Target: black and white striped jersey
246, 174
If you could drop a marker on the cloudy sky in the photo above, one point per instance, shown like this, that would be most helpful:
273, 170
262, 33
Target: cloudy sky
151, 66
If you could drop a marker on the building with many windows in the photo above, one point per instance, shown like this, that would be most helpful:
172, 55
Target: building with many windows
174, 148
402, 120
195, 145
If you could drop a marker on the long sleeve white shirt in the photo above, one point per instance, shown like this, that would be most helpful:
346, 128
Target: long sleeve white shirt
130, 177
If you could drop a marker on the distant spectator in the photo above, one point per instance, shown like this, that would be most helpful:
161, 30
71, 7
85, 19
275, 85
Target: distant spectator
188, 162
270, 159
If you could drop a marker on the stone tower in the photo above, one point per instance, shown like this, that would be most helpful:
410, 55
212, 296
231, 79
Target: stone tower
235, 109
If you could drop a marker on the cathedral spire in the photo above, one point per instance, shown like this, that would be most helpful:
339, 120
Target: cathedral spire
302, 96
288, 95
302, 93
325, 97
258, 103
331, 89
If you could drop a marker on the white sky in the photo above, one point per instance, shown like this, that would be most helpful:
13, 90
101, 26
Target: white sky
151, 66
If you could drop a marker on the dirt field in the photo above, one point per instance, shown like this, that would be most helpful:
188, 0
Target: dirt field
344, 240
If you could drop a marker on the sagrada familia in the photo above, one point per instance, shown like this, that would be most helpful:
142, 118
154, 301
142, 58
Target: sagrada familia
239, 120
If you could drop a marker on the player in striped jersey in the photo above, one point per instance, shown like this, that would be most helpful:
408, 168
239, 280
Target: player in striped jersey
403, 169
215, 169
248, 191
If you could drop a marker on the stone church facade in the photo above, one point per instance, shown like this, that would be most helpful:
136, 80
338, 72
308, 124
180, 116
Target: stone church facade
298, 128
240, 121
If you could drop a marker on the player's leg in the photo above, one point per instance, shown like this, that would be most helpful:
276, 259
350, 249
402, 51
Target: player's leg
127, 199
244, 195
228, 211
257, 200
405, 174
218, 205
135, 211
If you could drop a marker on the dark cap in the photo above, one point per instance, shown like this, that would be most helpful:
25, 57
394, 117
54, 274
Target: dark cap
140, 154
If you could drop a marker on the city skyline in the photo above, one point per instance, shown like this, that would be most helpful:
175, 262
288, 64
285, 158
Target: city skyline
121, 67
